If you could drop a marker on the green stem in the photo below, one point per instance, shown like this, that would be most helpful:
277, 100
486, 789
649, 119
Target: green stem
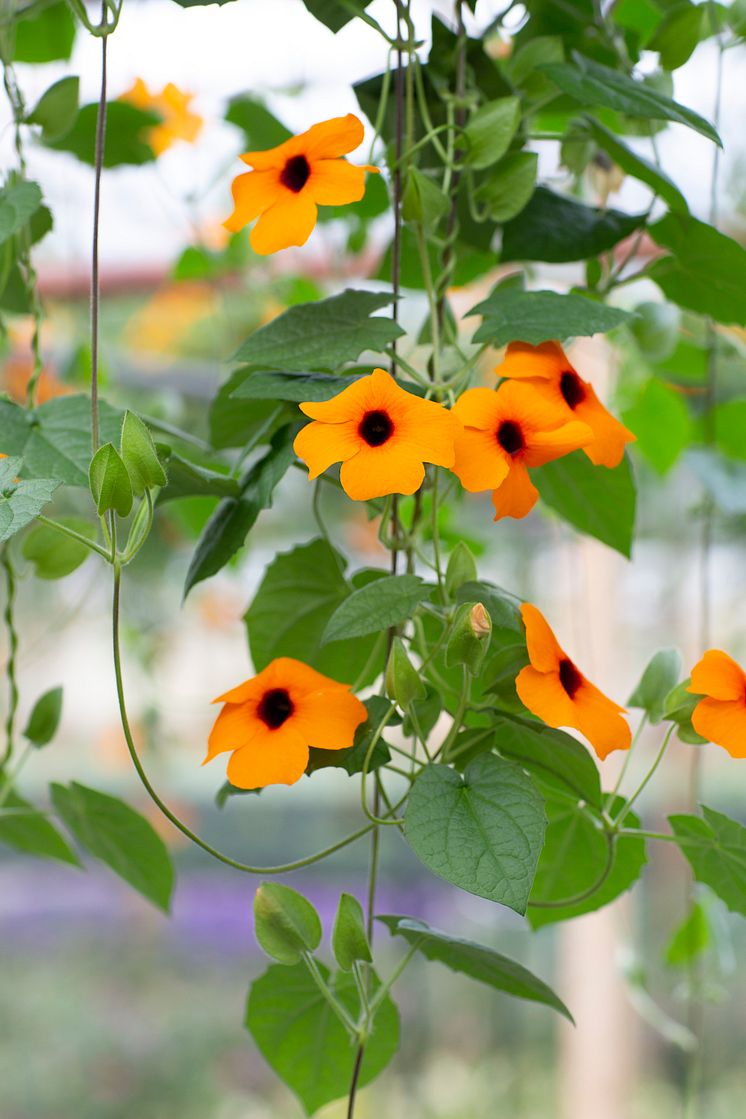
95, 286
374, 818
12, 776
643, 784
623, 771
12, 632
436, 536
384, 989
578, 899
166, 811
458, 718
328, 995
78, 536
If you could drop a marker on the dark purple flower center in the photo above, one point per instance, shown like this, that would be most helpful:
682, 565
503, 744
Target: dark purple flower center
375, 428
572, 389
510, 437
295, 173
275, 707
570, 678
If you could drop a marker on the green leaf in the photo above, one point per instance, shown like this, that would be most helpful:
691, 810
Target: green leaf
510, 186
478, 961
678, 34
44, 718
285, 923
301, 1038
349, 939
656, 682
234, 423
55, 439
109, 481
53, 554
715, 848
634, 165
20, 500
482, 831
120, 837
589, 83
490, 130
56, 109
556, 228
381, 604
470, 262
661, 421
322, 335
126, 141
422, 200
229, 525
678, 707
19, 201
723, 479
503, 607
730, 423
512, 315
26, 829
261, 129
576, 858
553, 758
334, 15
656, 329
300, 591
404, 683
46, 37
140, 456
353, 760
461, 569
188, 479
290, 385
706, 270
690, 939
596, 500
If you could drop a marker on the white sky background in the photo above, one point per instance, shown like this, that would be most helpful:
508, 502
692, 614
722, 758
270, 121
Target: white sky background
268, 47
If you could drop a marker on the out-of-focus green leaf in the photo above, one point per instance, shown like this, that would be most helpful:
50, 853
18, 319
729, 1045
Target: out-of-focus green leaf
596, 500
636, 166
21, 499
126, 135
661, 421
705, 271
556, 228
715, 848
45, 37
56, 109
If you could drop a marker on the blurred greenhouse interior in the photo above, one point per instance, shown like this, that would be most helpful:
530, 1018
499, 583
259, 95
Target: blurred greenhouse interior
109, 1009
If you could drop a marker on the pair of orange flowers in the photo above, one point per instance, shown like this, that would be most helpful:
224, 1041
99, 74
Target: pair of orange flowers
268, 723
383, 435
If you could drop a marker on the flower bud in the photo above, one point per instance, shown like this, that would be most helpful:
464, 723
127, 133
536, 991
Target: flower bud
470, 637
461, 568
403, 682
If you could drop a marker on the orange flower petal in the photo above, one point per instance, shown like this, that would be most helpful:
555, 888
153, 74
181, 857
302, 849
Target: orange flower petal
523, 360
280, 759
334, 182
600, 720
545, 446
329, 718
543, 694
532, 409
480, 408
253, 193
517, 495
236, 726
377, 390
544, 650
320, 445
332, 138
428, 430
719, 676
480, 462
609, 435
378, 471
722, 722
289, 221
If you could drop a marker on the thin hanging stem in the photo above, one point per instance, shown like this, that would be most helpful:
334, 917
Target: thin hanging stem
10, 629
95, 285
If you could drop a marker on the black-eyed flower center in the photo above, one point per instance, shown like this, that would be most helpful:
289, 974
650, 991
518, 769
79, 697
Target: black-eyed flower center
572, 389
376, 427
510, 437
275, 707
570, 678
295, 173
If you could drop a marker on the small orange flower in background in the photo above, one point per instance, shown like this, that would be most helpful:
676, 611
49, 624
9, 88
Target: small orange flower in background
505, 432
555, 690
547, 368
269, 722
380, 433
17, 372
179, 122
721, 716
288, 183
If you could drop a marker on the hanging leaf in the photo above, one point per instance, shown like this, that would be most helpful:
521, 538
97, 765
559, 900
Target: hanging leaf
556, 228
706, 269
386, 602
20, 500
596, 500
126, 143
715, 848
513, 315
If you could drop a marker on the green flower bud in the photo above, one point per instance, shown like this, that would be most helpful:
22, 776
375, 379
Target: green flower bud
470, 637
423, 201
403, 682
461, 568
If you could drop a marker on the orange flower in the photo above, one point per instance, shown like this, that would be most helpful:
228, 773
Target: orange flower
504, 433
381, 434
555, 690
721, 716
269, 722
179, 123
288, 183
547, 367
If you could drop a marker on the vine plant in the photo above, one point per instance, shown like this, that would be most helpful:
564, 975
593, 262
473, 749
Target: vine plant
442, 693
